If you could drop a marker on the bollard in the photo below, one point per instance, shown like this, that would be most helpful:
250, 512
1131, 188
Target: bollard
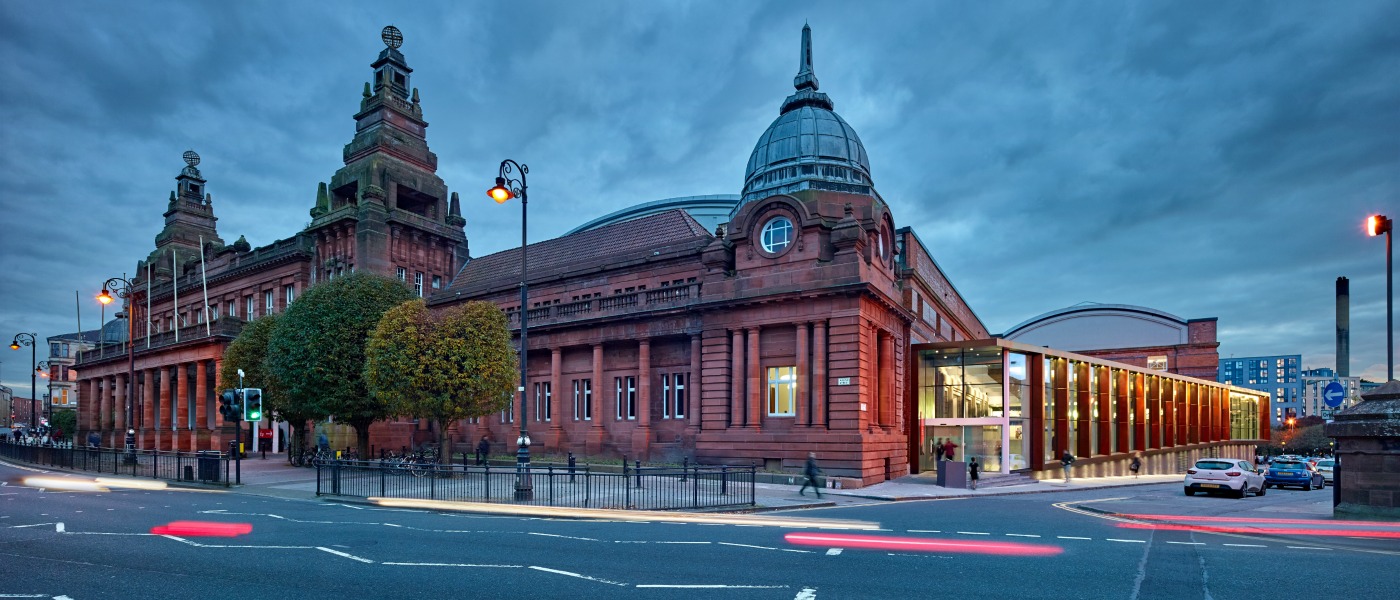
724, 480
237, 462
551, 485
572, 463
685, 464
639, 473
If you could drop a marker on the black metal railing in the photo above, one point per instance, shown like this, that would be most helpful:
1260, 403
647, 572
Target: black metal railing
639, 488
206, 466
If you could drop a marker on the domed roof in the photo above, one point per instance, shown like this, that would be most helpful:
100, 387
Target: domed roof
808, 146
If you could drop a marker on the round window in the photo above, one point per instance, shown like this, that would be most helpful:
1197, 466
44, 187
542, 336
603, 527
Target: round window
777, 235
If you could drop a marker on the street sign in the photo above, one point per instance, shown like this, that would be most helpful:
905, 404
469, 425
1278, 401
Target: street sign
1333, 394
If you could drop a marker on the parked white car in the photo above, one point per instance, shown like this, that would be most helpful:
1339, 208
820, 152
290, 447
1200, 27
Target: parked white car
1325, 467
1224, 475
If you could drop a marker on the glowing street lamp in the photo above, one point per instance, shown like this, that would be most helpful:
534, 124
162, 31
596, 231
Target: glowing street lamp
124, 289
505, 189
31, 340
1377, 225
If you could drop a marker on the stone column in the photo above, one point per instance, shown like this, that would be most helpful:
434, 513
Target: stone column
556, 387
641, 436
819, 374
804, 394
182, 407
105, 423
886, 379
119, 403
594, 443
1368, 470
692, 390
89, 405
164, 420
199, 434
147, 408
756, 387
736, 380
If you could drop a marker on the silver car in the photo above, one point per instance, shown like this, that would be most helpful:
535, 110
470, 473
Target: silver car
1224, 475
1325, 466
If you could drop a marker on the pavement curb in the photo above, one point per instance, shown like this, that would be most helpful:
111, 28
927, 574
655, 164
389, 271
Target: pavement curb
1044, 490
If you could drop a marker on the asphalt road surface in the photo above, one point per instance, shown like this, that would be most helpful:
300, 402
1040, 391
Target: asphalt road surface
1144, 542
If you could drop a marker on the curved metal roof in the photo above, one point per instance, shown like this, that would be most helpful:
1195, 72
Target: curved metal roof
709, 210
1092, 307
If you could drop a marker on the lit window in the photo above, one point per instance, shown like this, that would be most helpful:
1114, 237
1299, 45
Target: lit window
626, 397
782, 391
418, 284
403, 274
252, 308
542, 397
269, 301
777, 234
291, 293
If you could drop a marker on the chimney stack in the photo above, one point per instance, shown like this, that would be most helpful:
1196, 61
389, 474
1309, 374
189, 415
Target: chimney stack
1343, 327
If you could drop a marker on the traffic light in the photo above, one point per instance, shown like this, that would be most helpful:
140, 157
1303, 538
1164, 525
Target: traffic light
252, 404
229, 406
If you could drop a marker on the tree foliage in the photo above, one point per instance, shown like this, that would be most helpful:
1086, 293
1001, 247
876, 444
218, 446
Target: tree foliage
249, 352
317, 350
454, 365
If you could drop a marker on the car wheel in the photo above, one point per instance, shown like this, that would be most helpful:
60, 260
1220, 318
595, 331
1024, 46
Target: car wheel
1240, 494
1263, 487
1307, 487
1190, 492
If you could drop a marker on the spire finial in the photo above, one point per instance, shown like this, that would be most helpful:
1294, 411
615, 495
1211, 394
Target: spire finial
806, 75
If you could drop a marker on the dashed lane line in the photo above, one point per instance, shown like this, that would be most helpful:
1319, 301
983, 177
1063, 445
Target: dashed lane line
973, 533
466, 565
1022, 535
833, 552
580, 576
567, 537
1246, 545
1308, 548
710, 586
1187, 543
763, 547
1131, 541
1071, 537
806, 594
344, 554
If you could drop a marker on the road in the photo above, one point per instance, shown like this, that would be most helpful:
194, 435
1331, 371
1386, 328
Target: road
99, 545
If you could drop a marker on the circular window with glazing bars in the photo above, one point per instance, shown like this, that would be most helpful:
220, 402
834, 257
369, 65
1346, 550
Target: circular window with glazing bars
777, 235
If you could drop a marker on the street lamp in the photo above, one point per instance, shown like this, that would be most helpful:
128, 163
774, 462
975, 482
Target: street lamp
43, 370
1376, 225
31, 340
123, 288
506, 188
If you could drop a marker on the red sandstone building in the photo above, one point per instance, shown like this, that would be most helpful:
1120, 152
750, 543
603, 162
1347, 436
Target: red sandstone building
385, 211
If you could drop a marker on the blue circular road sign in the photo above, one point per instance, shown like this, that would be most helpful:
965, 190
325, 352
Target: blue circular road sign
1333, 394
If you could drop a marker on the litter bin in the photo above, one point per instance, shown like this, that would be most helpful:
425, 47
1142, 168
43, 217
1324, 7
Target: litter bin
209, 465
952, 474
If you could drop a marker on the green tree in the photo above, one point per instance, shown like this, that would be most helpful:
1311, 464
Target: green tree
455, 365
317, 350
65, 420
249, 352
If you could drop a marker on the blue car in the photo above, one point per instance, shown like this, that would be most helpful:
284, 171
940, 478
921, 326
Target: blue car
1298, 473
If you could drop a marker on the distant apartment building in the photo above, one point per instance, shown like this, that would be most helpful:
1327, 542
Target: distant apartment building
7, 406
1280, 376
1313, 383
63, 350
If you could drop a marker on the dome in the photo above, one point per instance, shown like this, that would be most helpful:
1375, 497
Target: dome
808, 146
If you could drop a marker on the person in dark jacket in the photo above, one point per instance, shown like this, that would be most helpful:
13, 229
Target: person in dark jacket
483, 449
1067, 462
1135, 465
811, 471
974, 471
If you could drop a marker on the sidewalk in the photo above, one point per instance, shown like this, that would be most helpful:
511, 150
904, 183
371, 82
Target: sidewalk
922, 487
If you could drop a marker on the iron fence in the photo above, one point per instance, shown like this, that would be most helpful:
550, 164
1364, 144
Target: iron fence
639, 488
206, 466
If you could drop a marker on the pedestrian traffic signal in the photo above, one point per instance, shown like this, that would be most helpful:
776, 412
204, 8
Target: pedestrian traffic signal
252, 404
229, 406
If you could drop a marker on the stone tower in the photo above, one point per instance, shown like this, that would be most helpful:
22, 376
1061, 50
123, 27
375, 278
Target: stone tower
387, 211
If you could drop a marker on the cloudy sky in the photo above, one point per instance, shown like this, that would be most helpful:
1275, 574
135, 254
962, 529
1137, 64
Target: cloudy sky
1205, 159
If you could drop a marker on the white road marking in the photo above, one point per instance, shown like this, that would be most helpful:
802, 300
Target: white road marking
763, 547
1246, 545
682, 542
34, 525
806, 594
570, 574
1022, 535
61, 598
1130, 541
24, 595
1188, 543
1308, 548
405, 564
924, 531
344, 554
392, 525
973, 533
715, 586
58, 527
570, 537
1070, 537
833, 551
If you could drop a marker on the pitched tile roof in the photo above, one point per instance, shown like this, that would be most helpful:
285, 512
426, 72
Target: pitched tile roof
661, 234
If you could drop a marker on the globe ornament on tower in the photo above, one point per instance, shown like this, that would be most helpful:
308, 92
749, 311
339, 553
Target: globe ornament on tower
392, 37
191, 158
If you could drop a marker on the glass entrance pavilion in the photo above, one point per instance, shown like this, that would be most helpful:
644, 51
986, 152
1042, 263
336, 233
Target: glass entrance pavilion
1018, 408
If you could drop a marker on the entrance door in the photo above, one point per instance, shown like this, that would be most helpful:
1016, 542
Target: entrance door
935, 435
984, 442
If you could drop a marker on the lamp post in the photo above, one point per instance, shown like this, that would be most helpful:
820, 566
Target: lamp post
508, 187
123, 288
43, 370
1376, 225
31, 340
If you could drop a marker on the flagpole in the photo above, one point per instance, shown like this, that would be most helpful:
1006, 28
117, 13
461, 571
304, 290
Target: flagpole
175, 293
148, 305
204, 281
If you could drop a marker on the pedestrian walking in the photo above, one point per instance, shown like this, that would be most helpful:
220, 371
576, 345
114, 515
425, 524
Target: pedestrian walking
1135, 465
949, 450
811, 472
938, 448
94, 439
973, 472
483, 449
1067, 462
